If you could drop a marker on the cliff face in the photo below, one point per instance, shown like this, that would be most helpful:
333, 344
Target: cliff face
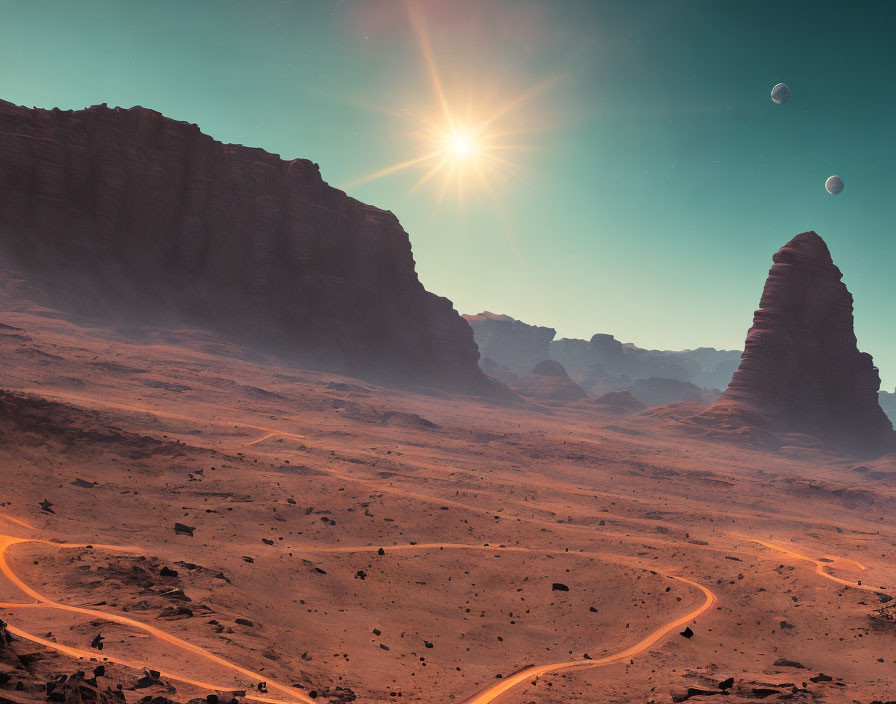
801, 369
129, 216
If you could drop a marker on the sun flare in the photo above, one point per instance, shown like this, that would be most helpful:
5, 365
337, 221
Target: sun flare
462, 146
465, 141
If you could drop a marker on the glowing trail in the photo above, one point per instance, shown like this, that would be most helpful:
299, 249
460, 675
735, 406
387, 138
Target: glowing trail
45, 602
530, 673
820, 565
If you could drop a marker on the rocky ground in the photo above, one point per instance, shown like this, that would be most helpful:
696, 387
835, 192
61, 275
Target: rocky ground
217, 523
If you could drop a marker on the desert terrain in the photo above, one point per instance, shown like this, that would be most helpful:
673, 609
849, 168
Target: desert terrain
200, 519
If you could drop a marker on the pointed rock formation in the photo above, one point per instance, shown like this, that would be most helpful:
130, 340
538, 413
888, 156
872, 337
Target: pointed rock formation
801, 370
130, 217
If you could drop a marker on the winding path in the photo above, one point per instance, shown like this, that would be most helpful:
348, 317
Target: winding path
45, 602
820, 565
486, 696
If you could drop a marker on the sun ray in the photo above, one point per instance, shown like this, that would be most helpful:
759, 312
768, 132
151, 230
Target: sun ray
520, 99
395, 167
419, 27
428, 175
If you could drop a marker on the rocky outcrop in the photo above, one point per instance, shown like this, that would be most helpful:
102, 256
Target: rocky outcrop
131, 217
620, 402
510, 343
801, 369
550, 367
548, 382
657, 391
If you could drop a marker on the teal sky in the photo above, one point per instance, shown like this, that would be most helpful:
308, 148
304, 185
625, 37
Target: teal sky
659, 182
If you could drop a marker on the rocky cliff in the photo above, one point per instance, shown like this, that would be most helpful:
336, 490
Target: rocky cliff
131, 217
801, 369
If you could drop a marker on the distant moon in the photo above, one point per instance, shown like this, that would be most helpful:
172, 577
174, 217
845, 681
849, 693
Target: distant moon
781, 93
834, 185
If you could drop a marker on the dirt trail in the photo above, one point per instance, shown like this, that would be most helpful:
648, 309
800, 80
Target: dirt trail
531, 673
820, 565
45, 602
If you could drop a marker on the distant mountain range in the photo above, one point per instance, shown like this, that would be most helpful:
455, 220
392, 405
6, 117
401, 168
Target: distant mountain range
510, 349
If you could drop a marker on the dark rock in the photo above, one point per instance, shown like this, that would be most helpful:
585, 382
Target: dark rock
81, 484
181, 529
687, 632
782, 662
683, 696
559, 587
763, 692
176, 594
97, 642
167, 572
149, 678
821, 677
726, 684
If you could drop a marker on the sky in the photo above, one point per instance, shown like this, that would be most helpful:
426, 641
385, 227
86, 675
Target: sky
635, 179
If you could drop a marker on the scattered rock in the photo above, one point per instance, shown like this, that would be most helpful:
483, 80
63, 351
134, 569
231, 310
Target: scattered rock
726, 684
181, 529
783, 662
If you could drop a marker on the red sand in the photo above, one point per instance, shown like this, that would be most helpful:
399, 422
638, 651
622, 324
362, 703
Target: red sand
479, 508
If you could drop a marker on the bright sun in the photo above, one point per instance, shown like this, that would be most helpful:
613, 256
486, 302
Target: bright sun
462, 145
456, 147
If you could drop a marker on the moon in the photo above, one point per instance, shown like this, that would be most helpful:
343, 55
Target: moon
834, 185
781, 93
